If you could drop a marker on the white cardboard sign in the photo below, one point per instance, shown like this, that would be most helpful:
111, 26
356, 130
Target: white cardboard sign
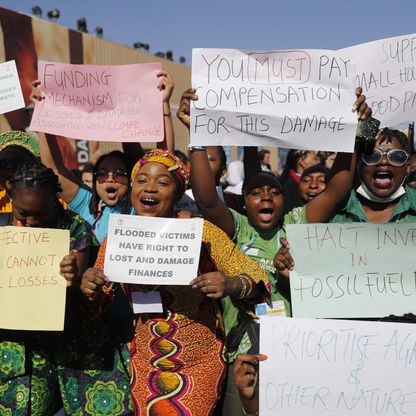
288, 98
11, 97
148, 250
386, 70
322, 367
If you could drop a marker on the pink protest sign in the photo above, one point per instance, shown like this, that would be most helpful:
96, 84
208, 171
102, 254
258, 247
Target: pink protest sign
100, 102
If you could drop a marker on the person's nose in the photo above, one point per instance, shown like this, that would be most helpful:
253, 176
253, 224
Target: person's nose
266, 196
314, 184
150, 186
110, 177
384, 160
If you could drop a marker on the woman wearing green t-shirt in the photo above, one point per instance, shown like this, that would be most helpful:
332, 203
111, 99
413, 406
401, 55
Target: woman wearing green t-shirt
257, 234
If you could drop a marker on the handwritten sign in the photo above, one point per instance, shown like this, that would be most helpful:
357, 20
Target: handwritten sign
100, 102
353, 270
11, 97
148, 250
294, 99
32, 292
387, 73
320, 367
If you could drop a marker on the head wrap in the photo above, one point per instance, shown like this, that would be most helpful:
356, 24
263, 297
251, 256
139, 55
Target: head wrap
316, 169
261, 179
174, 165
20, 139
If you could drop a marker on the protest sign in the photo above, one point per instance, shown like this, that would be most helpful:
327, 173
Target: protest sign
100, 102
288, 98
149, 250
322, 367
353, 270
32, 292
386, 70
11, 97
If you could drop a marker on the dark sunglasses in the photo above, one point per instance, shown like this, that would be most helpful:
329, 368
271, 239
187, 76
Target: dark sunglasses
118, 175
396, 157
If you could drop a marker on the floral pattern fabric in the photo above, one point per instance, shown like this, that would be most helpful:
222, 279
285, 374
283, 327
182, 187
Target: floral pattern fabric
84, 369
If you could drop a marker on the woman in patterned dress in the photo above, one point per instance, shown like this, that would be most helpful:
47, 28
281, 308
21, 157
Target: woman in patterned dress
41, 371
177, 357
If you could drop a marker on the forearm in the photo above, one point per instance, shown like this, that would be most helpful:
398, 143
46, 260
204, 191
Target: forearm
342, 176
322, 207
51, 157
46, 154
169, 134
202, 181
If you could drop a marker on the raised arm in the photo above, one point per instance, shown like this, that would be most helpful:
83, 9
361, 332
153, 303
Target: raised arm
203, 186
167, 85
51, 157
50, 154
209, 203
322, 207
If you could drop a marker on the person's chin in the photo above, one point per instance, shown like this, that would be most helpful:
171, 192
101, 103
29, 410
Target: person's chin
384, 192
266, 225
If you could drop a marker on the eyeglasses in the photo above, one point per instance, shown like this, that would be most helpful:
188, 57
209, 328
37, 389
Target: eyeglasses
396, 157
118, 175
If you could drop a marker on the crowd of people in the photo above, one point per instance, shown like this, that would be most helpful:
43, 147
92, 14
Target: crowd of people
200, 355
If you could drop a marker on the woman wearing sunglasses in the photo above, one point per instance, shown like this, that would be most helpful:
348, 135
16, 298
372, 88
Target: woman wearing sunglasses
109, 193
382, 195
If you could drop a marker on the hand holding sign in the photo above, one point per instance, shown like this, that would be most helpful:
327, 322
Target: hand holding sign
165, 85
245, 372
92, 283
216, 285
69, 269
283, 260
184, 110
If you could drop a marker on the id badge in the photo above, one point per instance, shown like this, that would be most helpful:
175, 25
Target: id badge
278, 308
147, 302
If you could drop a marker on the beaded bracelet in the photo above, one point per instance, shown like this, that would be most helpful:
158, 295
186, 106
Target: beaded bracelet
247, 286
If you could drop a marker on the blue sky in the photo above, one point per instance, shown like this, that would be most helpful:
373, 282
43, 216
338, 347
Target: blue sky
262, 24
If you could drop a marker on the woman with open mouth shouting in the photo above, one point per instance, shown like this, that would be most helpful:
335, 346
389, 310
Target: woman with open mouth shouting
111, 184
382, 196
258, 233
177, 357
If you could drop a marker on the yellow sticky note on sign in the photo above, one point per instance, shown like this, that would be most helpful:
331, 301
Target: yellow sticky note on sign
32, 292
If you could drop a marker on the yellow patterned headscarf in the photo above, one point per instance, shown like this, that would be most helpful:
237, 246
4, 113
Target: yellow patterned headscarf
174, 165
